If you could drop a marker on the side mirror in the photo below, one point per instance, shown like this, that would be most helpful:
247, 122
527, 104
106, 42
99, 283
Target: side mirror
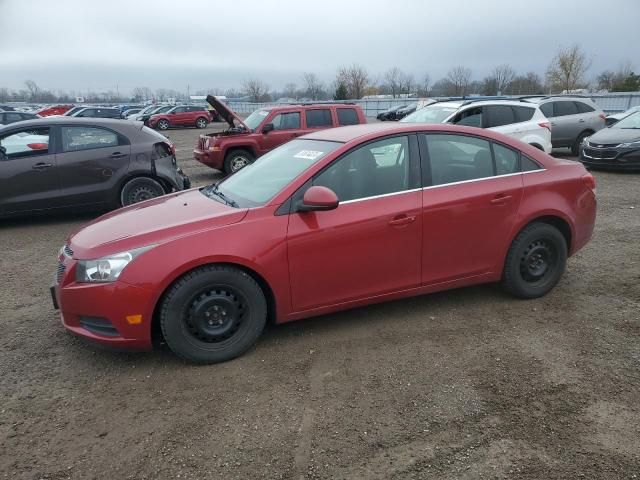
268, 128
318, 198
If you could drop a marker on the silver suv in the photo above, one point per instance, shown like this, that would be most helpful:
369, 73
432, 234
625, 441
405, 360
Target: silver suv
572, 119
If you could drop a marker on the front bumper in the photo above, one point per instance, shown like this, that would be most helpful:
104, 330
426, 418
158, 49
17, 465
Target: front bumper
614, 158
116, 315
209, 158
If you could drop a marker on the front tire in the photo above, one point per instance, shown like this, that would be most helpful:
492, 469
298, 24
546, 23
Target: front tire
575, 148
139, 189
535, 262
163, 124
236, 160
201, 122
213, 314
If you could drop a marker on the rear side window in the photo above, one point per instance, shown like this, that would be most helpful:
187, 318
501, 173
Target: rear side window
87, 138
565, 108
500, 115
347, 116
528, 165
523, 114
506, 160
12, 117
89, 112
286, 121
318, 118
584, 108
456, 158
547, 109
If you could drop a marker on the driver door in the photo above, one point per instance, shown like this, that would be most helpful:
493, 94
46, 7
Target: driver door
371, 244
286, 126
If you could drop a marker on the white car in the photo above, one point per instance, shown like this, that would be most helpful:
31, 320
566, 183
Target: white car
521, 120
23, 141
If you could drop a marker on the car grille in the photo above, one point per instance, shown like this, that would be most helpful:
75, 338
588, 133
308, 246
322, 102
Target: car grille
67, 251
201, 142
60, 271
600, 154
602, 145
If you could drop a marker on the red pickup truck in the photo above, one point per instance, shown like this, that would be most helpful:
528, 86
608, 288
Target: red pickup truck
267, 128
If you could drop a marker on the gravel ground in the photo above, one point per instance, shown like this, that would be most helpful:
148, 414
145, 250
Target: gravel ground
463, 384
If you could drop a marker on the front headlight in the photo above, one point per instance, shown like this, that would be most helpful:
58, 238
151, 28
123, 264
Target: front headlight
585, 141
635, 144
106, 269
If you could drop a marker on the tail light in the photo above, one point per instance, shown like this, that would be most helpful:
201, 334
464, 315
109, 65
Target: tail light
602, 116
38, 146
590, 181
546, 125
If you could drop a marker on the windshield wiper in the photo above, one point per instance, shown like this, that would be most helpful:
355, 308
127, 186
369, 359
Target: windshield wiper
214, 189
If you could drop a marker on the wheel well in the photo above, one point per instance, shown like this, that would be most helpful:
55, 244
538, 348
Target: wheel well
557, 222
234, 148
167, 188
202, 117
539, 147
156, 331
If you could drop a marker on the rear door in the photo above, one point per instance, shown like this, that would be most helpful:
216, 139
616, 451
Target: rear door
91, 160
286, 126
565, 125
318, 119
470, 203
502, 118
28, 171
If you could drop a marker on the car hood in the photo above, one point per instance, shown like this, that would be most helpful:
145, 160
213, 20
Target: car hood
151, 222
615, 135
225, 112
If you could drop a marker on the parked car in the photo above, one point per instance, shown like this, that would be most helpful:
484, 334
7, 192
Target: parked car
11, 117
54, 110
141, 113
70, 163
71, 111
615, 147
266, 129
130, 111
572, 119
144, 117
181, 116
389, 114
613, 118
96, 112
403, 112
520, 120
335, 219
6, 108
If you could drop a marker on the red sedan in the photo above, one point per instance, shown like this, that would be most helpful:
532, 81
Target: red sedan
336, 219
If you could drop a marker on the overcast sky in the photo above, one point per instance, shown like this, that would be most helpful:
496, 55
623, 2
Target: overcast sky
98, 44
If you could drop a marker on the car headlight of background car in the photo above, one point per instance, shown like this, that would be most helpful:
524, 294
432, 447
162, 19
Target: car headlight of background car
635, 144
108, 268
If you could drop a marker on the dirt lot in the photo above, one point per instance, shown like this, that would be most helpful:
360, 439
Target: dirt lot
464, 384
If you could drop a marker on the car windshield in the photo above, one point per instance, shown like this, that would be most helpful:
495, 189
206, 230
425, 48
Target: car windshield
259, 182
430, 114
632, 121
255, 119
71, 111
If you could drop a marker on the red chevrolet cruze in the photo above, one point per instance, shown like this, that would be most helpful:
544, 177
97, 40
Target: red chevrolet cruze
336, 219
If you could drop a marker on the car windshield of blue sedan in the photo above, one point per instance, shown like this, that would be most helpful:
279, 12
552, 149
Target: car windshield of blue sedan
632, 121
260, 181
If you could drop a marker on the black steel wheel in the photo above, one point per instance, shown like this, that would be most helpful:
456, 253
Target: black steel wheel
213, 314
535, 262
140, 189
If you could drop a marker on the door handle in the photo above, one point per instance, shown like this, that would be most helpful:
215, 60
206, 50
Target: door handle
117, 155
42, 166
401, 220
500, 199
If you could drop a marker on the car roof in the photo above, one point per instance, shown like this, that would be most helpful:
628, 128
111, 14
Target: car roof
308, 106
41, 122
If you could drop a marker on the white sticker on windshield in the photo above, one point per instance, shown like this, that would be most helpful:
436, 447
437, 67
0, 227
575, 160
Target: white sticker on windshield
308, 154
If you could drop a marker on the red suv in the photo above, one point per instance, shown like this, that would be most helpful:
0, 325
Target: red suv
54, 110
181, 116
266, 129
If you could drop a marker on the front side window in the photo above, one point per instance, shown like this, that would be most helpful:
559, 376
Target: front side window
472, 117
377, 168
318, 118
565, 108
347, 116
89, 112
24, 143
456, 158
286, 121
178, 110
500, 115
87, 138
260, 181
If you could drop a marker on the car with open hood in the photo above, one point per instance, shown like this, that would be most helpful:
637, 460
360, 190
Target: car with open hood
267, 128
336, 219
614, 147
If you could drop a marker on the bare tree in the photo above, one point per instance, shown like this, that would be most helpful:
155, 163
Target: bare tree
392, 79
529, 84
256, 89
503, 75
313, 86
406, 83
459, 77
291, 90
355, 78
567, 69
33, 89
426, 85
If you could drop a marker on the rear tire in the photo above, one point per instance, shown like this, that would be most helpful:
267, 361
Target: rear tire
236, 160
535, 262
213, 314
139, 189
575, 148
162, 124
201, 122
